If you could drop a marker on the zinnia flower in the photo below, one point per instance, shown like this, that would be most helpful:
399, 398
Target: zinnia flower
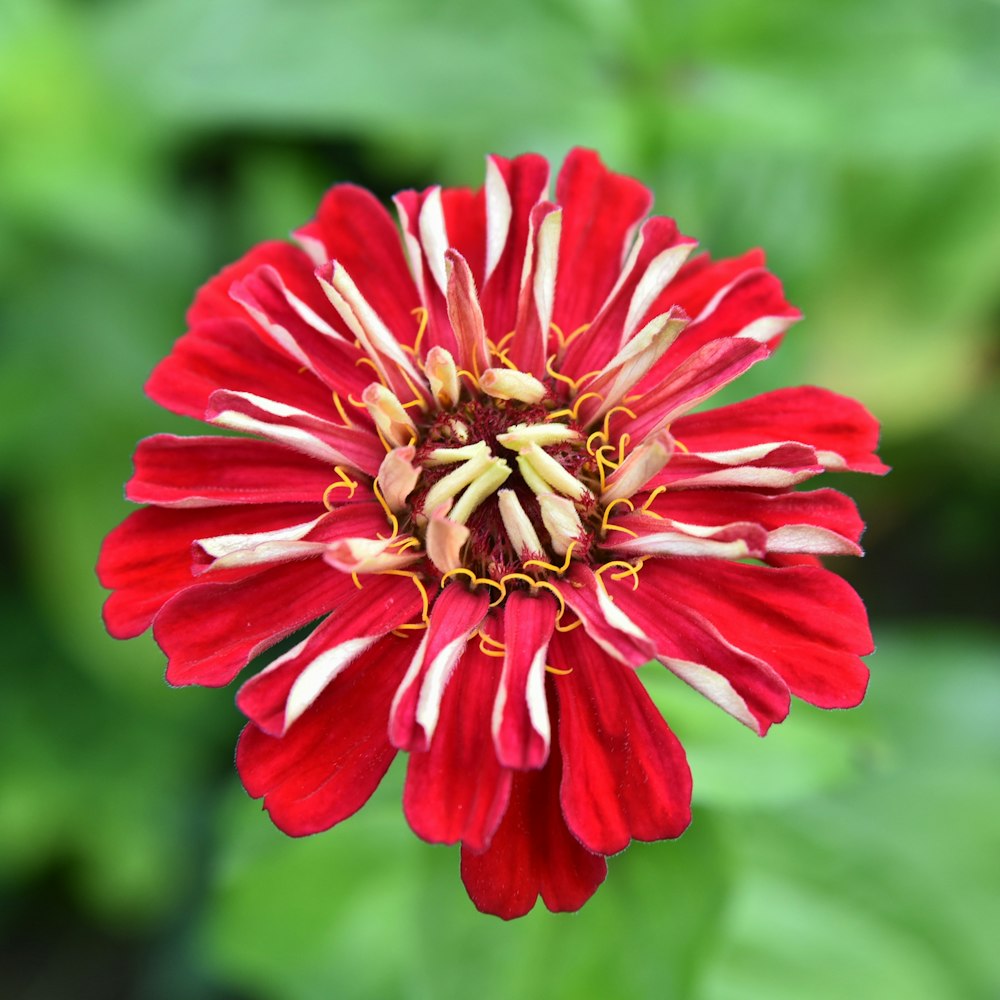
475, 463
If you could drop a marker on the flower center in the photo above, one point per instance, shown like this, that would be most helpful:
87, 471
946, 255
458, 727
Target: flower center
510, 478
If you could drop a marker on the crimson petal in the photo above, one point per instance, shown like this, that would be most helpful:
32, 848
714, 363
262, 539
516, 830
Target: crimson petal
457, 789
625, 775
326, 766
533, 853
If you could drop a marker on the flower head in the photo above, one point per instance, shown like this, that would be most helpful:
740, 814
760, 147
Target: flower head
474, 462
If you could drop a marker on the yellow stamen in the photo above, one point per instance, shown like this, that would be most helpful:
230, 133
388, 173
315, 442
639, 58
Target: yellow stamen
630, 570
572, 383
547, 565
501, 354
357, 582
683, 447
611, 413
345, 482
574, 410
557, 330
422, 313
534, 584
462, 571
576, 333
597, 434
393, 520
425, 614
418, 396
624, 531
474, 379
503, 340
556, 670
570, 627
652, 496
610, 507
374, 368
340, 409
623, 443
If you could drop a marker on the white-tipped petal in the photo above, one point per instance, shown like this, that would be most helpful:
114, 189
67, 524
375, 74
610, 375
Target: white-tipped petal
369, 555
640, 465
520, 530
397, 476
561, 521
389, 415
442, 373
505, 383
444, 540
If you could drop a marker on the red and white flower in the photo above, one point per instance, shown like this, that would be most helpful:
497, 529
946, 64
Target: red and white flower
475, 464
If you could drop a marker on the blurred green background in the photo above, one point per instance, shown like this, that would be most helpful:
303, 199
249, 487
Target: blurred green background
144, 143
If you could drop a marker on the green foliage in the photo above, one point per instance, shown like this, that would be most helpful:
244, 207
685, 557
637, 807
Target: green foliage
145, 144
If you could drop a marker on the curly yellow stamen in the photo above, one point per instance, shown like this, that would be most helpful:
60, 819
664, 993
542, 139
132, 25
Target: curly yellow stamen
570, 627
610, 507
623, 443
576, 333
345, 482
547, 565
574, 410
611, 413
473, 378
374, 368
357, 582
475, 580
418, 396
424, 315
426, 613
393, 520
594, 434
683, 447
630, 570
338, 403
499, 345
572, 383
644, 509
501, 354
535, 585
498, 648
555, 670
560, 336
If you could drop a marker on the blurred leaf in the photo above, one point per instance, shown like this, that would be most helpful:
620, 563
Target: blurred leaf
368, 911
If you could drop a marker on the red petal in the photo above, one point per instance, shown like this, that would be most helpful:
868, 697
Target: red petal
763, 467
356, 447
806, 622
601, 211
353, 227
146, 560
676, 391
625, 775
228, 354
327, 765
211, 630
213, 300
457, 789
456, 613
279, 694
752, 305
526, 181
176, 471
533, 853
843, 432
693, 649
789, 518
701, 278
529, 346
604, 623
660, 250
520, 716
